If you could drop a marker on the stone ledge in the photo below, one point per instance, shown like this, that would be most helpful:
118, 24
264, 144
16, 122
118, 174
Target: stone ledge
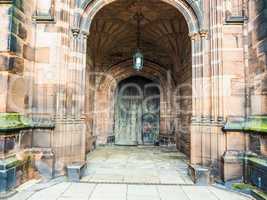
6, 1
259, 195
237, 20
7, 195
252, 124
43, 19
10, 122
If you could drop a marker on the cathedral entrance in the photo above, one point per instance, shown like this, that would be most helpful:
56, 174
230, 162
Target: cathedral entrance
139, 106
137, 112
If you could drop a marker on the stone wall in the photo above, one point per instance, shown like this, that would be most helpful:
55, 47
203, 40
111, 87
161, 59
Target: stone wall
41, 73
183, 107
16, 54
59, 82
221, 91
257, 44
43, 70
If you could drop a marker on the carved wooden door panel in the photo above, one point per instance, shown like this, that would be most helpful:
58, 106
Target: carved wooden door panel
128, 113
151, 113
136, 112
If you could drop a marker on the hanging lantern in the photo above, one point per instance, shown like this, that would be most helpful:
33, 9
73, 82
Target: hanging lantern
138, 57
138, 61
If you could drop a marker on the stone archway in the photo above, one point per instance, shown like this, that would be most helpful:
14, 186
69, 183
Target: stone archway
105, 93
88, 9
83, 20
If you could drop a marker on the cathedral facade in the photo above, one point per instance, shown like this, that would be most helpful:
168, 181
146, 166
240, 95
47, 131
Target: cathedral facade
64, 63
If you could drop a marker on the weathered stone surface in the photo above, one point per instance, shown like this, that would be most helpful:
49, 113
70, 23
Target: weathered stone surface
28, 53
71, 73
258, 51
15, 45
142, 165
22, 32
16, 65
73, 191
17, 91
4, 63
4, 91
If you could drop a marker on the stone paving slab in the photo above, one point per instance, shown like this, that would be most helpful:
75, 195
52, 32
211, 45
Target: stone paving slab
132, 174
52, 193
78, 190
223, 194
199, 193
171, 193
88, 191
109, 191
142, 165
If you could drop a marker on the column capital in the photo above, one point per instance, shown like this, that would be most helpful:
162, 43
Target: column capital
193, 35
84, 34
203, 33
75, 32
198, 35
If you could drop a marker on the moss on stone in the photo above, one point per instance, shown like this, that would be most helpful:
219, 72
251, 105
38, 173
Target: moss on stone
12, 121
259, 161
16, 122
252, 124
259, 194
256, 124
9, 163
242, 186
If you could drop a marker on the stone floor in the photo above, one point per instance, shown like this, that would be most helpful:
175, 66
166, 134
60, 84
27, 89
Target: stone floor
88, 191
127, 173
139, 165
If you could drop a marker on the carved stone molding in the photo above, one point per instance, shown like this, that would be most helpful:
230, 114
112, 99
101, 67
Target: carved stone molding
199, 35
6, 1
193, 36
75, 32
204, 33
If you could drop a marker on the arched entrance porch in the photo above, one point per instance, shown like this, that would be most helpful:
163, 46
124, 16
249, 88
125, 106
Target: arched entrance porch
137, 112
182, 48
106, 93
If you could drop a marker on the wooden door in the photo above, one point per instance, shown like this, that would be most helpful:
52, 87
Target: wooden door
136, 112
151, 113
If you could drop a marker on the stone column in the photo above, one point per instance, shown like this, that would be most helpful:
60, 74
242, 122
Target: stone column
196, 144
216, 140
205, 78
69, 136
194, 82
200, 105
198, 68
77, 74
83, 88
213, 61
71, 82
204, 129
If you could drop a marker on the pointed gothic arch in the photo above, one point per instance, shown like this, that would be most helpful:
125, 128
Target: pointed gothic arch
87, 9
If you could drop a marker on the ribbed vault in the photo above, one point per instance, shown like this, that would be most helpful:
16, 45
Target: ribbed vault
166, 46
164, 34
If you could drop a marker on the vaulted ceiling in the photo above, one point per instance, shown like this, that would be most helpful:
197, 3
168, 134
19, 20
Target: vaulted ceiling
164, 34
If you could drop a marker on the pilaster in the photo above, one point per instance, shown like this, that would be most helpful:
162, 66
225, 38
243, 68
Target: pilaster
77, 72
206, 85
